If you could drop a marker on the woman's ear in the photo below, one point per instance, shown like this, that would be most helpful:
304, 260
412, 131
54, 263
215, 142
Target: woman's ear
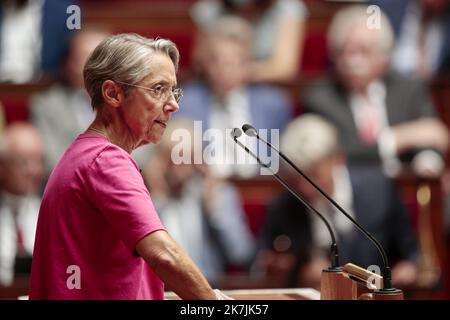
112, 93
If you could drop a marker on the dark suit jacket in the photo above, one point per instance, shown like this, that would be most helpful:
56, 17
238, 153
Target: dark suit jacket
406, 100
377, 207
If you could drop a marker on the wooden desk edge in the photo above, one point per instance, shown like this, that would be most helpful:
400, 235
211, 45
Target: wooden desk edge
266, 294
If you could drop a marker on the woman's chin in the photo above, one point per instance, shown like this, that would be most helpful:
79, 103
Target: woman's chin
154, 138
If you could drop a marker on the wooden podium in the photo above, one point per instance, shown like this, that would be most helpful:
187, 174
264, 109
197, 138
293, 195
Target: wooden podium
265, 294
347, 283
355, 283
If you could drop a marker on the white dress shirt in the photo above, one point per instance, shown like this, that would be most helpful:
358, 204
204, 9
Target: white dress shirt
343, 195
21, 41
229, 158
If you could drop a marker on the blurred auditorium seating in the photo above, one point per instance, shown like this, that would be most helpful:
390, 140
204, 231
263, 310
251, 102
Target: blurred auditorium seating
170, 19
163, 19
422, 196
15, 97
17, 289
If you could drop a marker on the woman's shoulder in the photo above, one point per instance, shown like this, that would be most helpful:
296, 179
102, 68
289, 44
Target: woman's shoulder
111, 155
90, 148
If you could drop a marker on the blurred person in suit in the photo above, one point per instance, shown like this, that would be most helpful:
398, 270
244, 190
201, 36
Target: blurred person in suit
225, 98
382, 118
295, 242
422, 28
33, 38
21, 173
203, 213
277, 41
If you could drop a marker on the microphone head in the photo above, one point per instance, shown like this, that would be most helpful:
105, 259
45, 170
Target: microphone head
236, 133
249, 130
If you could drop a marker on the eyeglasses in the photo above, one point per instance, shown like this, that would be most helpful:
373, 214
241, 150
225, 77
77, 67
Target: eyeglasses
159, 91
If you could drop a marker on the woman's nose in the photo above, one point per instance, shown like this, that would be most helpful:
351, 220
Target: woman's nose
172, 105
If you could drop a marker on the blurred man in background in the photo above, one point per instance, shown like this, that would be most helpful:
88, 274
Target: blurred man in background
21, 174
226, 99
382, 118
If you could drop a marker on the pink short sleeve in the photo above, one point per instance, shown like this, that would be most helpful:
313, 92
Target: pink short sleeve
117, 189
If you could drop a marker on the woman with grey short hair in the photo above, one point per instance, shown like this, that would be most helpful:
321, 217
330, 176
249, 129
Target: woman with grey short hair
99, 235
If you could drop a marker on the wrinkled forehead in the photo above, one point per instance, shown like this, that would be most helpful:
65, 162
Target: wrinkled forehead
162, 71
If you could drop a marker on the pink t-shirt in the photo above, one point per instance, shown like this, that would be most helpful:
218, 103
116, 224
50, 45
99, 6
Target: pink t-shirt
94, 210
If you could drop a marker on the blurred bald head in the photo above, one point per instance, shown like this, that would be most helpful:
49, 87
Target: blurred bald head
21, 159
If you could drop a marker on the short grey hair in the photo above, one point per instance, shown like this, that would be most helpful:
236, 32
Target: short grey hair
125, 58
309, 139
357, 16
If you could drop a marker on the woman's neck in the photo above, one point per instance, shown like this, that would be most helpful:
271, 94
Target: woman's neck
114, 131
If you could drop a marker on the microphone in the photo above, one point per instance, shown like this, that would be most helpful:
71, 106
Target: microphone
250, 130
235, 133
387, 284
